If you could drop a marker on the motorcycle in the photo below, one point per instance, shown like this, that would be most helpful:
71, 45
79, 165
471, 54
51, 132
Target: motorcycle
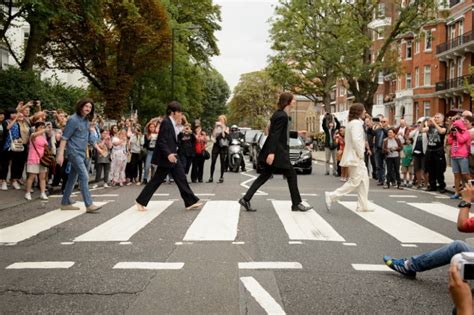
235, 155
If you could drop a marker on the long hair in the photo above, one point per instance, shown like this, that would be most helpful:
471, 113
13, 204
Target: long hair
83, 103
355, 111
284, 100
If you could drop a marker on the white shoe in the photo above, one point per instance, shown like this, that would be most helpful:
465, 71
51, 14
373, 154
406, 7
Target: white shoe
328, 200
4, 186
106, 186
28, 196
43, 196
95, 186
16, 185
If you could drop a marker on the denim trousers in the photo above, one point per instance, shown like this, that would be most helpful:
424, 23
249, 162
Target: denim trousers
78, 170
438, 257
380, 165
147, 176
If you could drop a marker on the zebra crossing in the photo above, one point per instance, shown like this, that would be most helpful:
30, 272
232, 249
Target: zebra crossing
219, 220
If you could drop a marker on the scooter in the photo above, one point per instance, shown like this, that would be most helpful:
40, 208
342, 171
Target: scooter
235, 155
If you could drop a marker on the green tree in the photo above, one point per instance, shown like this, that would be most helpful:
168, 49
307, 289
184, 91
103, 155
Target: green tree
254, 100
216, 94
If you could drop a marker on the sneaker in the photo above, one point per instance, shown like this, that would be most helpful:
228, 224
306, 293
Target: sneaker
16, 185
95, 186
4, 186
106, 186
69, 207
93, 208
455, 196
43, 196
28, 196
328, 200
399, 266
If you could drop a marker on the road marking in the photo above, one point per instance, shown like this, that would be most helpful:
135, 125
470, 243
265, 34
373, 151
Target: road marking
149, 265
369, 267
349, 244
310, 195
442, 197
123, 226
217, 221
96, 196
401, 201
402, 229
306, 225
263, 298
244, 184
439, 209
24, 230
205, 194
295, 242
161, 195
42, 265
403, 196
238, 243
409, 245
270, 265
67, 243
125, 243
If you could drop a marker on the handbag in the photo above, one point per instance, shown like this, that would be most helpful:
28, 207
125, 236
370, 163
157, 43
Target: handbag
47, 160
206, 155
16, 145
223, 142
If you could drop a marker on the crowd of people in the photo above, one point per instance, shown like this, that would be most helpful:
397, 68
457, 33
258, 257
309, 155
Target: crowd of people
118, 152
409, 156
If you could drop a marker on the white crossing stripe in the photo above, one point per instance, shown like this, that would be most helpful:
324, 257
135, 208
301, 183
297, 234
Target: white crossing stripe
149, 265
402, 196
270, 265
94, 196
217, 221
369, 267
263, 298
439, 209
402, 229
42, 265
29, 228
123, 226
307, 225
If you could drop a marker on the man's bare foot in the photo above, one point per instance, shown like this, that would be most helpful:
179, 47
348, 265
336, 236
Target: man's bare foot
140, 207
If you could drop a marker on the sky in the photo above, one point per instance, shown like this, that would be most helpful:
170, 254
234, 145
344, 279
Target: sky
244, 39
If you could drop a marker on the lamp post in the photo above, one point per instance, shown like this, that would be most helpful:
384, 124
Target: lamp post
173, 33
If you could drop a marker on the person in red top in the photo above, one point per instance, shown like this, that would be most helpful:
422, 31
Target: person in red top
441, 256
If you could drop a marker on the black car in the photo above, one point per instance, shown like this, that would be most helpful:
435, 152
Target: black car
254, 144
249, 139
300, 156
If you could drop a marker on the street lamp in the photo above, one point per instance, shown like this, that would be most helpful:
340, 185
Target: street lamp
173, 32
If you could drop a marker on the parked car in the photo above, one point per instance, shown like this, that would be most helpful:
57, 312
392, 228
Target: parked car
249, 139
300, 155
254, 144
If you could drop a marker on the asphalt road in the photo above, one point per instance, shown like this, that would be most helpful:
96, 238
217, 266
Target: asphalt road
222, 260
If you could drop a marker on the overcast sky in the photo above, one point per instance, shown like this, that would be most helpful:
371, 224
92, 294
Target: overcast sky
244, 38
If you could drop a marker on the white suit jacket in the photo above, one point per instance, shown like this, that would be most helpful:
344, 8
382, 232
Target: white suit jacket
355, 144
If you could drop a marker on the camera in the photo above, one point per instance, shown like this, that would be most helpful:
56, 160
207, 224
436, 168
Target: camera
376, 119
465, 264
454, 129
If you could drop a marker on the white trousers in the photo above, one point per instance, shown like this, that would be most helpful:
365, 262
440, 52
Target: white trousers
358, 180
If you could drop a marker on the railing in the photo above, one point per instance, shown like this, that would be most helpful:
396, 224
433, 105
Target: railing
458, 82
455, 42
452, 3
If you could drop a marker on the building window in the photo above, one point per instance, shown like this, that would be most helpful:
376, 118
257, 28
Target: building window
426, 108
409, 49
417, 46
451, 69
380, 32
452, 32
460, 64
381, 11
428, 40
417, 77
461, 28
380, 77
417, 111
408, 81
379, 99
342, 91
427, 76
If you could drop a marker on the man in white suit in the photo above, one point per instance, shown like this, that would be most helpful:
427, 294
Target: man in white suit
353, 157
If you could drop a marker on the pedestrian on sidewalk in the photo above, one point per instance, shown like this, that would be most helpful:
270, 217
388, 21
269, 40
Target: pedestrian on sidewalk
220, 137
380, 131
330, 126
435, 155
392, 147
75, 139
353, 158
275, 155
340, 141
369, 152
460, 141
37, 146
165, 156
407, 163
420, 145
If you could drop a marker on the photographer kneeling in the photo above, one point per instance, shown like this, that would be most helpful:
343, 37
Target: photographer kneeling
441, 256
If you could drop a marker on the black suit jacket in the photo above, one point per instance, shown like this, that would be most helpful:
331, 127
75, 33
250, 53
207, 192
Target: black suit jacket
277, 142
166, 144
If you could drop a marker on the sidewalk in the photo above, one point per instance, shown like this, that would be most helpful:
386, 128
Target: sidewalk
448, 175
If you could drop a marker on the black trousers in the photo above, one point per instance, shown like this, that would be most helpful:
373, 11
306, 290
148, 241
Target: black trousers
266, 173
18, 160
393, 170
198, 168
177, 171
435, 163
222, 153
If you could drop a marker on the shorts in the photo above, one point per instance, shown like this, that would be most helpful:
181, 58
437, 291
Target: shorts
419, 162
460, 165
35, 168
407, 169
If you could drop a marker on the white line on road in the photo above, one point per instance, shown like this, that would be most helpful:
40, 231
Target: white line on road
122, 227
403, 196
349, 244
244, 184
370, 267
94, 196
270, 265
304, 225
266, 301
34, 226
42, 265
295, 242
67, 243
409, 245
402, 229
149, 265
217, 221
238, 243
205, 194
161, 195
310, 195
439, 209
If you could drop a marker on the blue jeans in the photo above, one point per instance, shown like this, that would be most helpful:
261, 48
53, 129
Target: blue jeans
438, 257
380, 165
149, 155
78, 170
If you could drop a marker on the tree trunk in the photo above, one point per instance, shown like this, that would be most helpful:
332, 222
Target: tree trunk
36, 40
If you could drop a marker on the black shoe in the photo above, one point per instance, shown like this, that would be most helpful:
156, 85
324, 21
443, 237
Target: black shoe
244, 170
246, 204
431, 189
210, 180
200, 180
386, 186
221, 180
442, 191
193, 181
380, 184
301, 207
327, 173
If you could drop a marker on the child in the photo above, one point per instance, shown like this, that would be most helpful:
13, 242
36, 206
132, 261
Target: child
37, 146
407, 163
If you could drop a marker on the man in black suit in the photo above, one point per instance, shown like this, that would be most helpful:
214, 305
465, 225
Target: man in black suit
165, 156
275, 155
